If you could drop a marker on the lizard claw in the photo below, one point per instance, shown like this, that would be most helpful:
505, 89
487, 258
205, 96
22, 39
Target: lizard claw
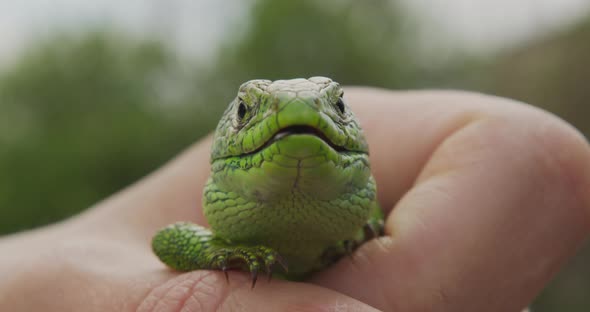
254, 275
247, 258
373, 229
349, 247
224, 269
282, 263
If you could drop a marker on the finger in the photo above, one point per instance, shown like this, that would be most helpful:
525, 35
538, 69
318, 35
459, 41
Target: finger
404, 129
498, 207
208, 291
73, 274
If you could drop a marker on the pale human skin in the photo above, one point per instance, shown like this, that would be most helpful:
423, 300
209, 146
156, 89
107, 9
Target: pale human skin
485, 198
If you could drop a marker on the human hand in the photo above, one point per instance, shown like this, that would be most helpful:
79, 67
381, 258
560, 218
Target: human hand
485, 200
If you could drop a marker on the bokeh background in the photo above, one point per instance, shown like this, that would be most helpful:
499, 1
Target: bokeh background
95, 95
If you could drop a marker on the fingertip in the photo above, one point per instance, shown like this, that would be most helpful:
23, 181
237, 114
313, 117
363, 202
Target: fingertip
207, 291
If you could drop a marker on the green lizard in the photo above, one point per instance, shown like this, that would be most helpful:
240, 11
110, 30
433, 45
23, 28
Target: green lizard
290, 184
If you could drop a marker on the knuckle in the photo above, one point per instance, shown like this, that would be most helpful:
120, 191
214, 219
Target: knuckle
551, 150
526, 144
566, 156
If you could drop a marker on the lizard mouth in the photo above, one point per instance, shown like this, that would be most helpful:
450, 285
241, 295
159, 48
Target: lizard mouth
301, 129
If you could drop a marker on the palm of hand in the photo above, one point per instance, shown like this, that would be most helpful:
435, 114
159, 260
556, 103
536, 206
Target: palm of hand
488, 198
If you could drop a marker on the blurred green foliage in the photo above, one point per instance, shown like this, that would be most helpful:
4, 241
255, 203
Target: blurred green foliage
84, 116
353, 42
552, 72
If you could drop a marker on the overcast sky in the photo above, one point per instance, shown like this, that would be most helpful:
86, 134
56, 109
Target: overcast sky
195, 26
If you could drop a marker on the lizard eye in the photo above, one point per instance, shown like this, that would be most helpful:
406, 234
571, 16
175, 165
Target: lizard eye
242, 110
340, 105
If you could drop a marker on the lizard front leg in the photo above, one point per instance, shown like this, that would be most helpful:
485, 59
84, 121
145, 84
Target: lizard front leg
185, 246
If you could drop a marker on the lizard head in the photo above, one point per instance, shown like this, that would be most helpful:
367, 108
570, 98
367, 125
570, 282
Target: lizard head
265, 112
295, 130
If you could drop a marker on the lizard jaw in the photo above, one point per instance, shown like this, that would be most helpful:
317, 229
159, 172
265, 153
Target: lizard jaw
300, 129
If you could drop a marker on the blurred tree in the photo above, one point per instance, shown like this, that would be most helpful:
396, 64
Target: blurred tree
552, 72
353, 42
82, 118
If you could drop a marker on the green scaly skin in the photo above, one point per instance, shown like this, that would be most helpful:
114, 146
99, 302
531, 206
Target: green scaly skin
290, 184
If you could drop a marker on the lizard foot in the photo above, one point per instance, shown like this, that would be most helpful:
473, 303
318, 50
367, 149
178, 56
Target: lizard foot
373, 229
251, 258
